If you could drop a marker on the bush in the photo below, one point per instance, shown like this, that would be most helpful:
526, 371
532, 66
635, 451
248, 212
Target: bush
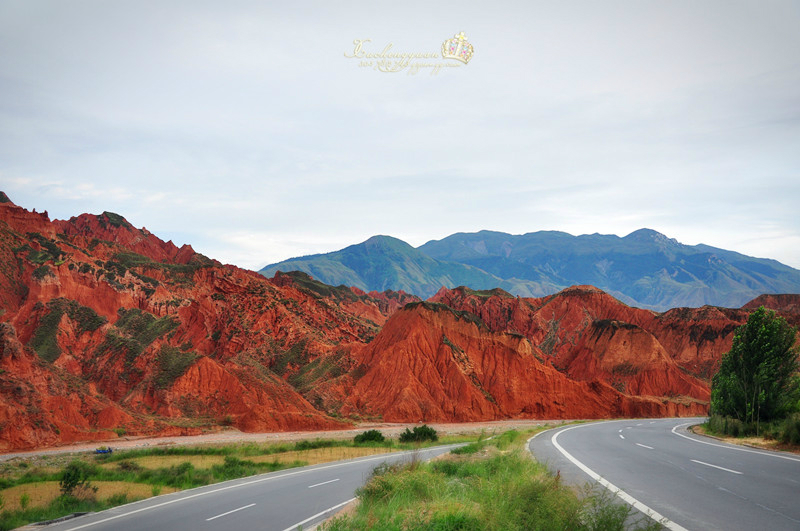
75, 479
369, 436
786, 431
419, 434
790, 430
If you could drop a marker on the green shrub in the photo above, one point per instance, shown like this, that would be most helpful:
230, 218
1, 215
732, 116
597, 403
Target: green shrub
75, 477
120, 498
313, 445
419, 434
786, 431
790, 430
369, 436
42, 271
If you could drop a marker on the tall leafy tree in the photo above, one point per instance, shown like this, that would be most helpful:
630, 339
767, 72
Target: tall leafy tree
758, 378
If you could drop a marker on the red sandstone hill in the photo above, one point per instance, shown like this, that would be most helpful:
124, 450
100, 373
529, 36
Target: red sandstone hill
788, 305
432, 363
106, 330
589, 335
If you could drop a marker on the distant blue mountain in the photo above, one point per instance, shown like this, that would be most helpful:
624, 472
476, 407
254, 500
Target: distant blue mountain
644, 269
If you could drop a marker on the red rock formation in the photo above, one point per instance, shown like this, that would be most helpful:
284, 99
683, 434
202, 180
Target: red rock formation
787, 306
106, 329
431, 363
111, 327
590, 335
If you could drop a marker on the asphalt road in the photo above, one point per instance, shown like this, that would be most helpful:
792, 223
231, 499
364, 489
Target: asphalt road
299, 497
696, 483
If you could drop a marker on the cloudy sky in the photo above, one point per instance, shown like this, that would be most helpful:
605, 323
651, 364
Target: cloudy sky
244, 129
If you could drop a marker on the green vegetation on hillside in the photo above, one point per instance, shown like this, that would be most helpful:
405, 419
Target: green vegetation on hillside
172, 363
134, 331
44, 340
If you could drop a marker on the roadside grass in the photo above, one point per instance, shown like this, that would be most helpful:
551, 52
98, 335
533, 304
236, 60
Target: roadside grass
40, 495
492, 484
781, 435
306, 457
30, 491
325, 455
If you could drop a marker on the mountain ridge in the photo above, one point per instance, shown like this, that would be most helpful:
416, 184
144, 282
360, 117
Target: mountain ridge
644, 268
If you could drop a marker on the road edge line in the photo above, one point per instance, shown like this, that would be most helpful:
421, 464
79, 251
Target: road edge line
627, 498
329, 509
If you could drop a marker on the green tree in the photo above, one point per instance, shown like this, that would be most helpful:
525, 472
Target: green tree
758, 378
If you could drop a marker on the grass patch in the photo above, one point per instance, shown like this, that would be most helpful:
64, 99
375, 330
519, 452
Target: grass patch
325, 455
44, 493
493, 485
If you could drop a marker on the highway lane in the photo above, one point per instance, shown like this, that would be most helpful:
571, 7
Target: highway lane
277, 501
695, 482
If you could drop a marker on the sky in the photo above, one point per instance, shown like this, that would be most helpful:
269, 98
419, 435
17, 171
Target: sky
256, 131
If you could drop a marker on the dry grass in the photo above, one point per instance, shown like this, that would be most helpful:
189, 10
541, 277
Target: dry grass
755, 442
41, 494
311, 457
319, 455
166, 461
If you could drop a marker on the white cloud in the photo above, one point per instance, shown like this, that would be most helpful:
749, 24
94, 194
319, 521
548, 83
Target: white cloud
243, 130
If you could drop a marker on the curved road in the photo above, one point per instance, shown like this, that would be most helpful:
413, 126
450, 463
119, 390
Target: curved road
693, 482
286, 500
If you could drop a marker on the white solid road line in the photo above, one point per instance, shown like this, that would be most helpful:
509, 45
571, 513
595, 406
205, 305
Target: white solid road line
663, 520
329, 509
237, 485
323, 483
737, 448
644, 446
229, 512
715, 466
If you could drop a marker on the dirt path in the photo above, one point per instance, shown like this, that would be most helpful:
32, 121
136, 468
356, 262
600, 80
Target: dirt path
235, 436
